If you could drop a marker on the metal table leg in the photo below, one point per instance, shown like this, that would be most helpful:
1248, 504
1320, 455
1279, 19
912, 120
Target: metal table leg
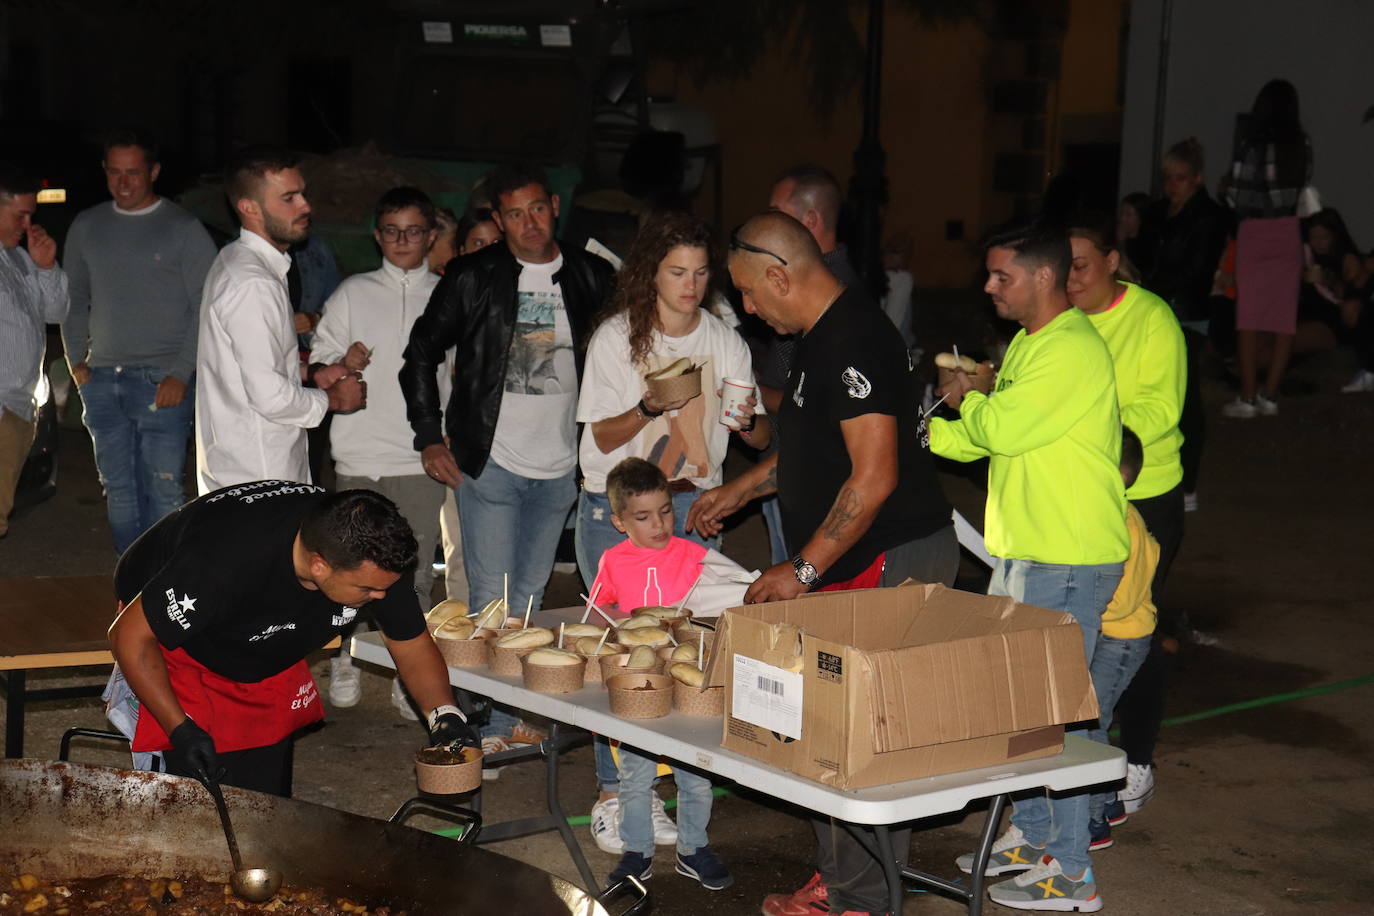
980, 858
14, 712
553, 752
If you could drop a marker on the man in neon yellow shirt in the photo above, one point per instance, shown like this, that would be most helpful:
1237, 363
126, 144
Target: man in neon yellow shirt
1056, 515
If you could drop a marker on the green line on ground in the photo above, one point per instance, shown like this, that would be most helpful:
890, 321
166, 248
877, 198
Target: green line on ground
581, 820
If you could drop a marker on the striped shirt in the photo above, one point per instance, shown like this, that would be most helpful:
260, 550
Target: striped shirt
1256, 191
30, 297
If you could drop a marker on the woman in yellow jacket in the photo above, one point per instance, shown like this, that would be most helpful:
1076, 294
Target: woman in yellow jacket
1151, 367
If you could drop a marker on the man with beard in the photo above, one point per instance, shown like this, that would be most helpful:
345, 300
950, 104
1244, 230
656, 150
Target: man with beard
252, 410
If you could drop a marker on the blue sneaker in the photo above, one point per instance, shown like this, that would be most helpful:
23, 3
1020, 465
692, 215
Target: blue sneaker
633, 863
1115, 813
705, 868
1099, 835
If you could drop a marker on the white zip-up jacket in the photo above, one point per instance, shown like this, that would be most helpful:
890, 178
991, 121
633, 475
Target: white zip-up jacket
376, 308
251, 409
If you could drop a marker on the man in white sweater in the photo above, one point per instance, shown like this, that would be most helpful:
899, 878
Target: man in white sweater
252, 410
366, 325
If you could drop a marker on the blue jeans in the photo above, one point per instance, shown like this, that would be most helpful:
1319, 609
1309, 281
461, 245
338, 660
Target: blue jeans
596, 535
777, 545
1115, 662
511, 525
637, 772
140, 450
1060, 822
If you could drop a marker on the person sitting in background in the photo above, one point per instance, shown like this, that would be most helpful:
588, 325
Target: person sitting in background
366, 325
1335, 292
654, 567
1130, 224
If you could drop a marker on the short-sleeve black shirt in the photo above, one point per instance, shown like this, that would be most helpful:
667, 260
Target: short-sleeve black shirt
218, 581
853, 362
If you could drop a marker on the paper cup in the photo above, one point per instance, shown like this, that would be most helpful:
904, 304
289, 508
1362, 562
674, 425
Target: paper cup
449, 778
553, 678
592, 673
504, 660
463, 653
630, 699
698, 701
682, 388
612, 665
733, 395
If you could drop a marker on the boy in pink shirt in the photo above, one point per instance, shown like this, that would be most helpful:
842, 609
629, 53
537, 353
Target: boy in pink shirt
653, 567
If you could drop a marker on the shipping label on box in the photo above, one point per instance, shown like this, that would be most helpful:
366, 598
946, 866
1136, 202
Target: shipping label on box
767, 696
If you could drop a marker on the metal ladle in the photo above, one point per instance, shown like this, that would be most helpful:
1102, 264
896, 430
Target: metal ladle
252, 884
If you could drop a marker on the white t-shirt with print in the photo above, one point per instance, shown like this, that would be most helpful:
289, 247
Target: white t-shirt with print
689, 443
536, 435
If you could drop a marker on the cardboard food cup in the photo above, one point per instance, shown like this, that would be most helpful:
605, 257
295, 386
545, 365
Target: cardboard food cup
592, 674
698, 701
678, 613
734, 393
503, 660
449, 778
682, 388
630, 699
685, 633
553, 678
463, 653
613, 665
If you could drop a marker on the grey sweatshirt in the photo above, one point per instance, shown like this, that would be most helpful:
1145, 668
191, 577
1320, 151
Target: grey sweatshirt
135, 281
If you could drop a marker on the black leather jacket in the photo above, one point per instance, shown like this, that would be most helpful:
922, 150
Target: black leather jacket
1185, 250
474, 307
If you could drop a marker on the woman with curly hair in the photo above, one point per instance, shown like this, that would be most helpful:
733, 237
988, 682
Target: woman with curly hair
656, 317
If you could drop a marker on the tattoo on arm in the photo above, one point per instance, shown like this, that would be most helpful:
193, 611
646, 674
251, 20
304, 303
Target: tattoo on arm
768, 485
848, 506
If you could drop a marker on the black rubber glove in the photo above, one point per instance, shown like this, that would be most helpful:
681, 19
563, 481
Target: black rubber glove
449, 729
196, 745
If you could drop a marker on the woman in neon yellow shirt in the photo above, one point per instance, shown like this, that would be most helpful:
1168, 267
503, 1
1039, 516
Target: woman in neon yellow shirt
1151, 366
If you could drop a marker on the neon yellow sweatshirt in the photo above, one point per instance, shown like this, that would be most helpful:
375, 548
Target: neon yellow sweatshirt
1151, 371
1053, 433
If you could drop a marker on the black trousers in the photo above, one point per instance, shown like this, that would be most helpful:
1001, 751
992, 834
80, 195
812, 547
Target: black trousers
261, 769
1193, 421
1140, 711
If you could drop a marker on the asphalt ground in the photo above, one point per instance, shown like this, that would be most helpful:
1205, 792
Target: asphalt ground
1257, 811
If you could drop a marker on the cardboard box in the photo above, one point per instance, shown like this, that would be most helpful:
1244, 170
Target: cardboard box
868, 687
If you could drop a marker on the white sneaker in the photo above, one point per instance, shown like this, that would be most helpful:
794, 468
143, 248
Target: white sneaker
345, 682
1140, 787
1362, 381
1010, 853
665, 831
401, 702
1189, 502
606, 826
1240, 409
493, 744
1266, 407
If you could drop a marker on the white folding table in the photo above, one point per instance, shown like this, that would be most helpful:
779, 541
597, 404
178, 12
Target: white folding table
695, 741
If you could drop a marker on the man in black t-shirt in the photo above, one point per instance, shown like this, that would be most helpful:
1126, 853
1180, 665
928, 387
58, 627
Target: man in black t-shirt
223, 599
853, 473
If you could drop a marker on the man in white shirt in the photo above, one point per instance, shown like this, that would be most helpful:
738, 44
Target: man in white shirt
252, 410
365, 325
33, 292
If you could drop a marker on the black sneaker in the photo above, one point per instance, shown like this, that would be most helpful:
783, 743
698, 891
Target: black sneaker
1099, 835
633, 863
705, 868
1115, 813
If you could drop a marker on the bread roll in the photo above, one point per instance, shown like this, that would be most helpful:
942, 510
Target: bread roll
587, 646
672, 370
643, 620
687, 652
446, 610
550, 656
530, 638
643, 636
642, 657
578, 630
690, 675
950, 361
458, 627
661, 613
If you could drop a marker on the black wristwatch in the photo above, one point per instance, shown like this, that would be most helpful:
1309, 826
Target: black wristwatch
645, 412
806, 573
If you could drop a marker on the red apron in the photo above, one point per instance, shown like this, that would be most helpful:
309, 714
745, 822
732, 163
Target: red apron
238, 716
869, 578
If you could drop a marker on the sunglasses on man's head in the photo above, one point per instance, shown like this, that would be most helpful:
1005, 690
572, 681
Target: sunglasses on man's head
739, 244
